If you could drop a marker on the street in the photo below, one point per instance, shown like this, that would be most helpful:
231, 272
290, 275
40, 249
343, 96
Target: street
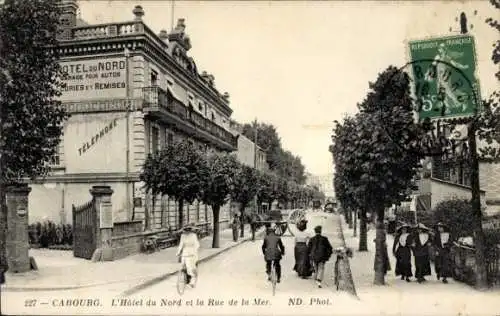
234, 277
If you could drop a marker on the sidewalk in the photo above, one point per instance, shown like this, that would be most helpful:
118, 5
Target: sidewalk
398, 297
59, 270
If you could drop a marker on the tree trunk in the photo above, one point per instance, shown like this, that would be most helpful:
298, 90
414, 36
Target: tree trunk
355, 226
181, 212
3, 234
146, 212
349, 218
481, 270
381, 257
215, 237
242, 220
363, 232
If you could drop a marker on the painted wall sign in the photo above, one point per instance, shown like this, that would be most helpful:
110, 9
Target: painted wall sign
95, 142
94, 79
95, 138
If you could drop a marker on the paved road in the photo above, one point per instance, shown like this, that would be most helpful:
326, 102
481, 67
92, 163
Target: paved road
238, 274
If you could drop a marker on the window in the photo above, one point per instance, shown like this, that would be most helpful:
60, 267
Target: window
213, 116
155, 135
200, 107
154, 78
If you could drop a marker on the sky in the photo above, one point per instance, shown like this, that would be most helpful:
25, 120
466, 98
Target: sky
302, 65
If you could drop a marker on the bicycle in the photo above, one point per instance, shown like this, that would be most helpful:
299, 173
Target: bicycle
182, 279
273, 276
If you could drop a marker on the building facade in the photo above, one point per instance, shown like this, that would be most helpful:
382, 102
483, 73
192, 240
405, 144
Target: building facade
130, 92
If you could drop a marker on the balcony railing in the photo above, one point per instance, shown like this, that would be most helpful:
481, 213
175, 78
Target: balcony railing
109, 30
156, 99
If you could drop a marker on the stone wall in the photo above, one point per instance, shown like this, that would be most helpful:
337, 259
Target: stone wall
127, 239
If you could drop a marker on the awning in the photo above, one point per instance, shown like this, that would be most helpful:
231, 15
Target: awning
177, 96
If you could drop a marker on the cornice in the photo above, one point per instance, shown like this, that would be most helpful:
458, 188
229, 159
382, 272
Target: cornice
142, 39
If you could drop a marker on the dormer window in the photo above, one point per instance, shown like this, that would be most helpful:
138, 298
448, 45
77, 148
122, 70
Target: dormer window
200, 107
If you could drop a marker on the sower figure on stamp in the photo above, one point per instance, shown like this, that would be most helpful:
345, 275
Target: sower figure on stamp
420, 244
273, 250
442, 243
402, 251
320, 251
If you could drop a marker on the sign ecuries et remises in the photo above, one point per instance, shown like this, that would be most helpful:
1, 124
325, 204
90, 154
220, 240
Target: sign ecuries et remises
94, 79
444, 77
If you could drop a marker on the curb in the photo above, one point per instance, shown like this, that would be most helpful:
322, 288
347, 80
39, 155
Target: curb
165, 276
139, 287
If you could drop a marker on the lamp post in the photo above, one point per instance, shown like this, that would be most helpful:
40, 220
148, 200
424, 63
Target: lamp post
255, 135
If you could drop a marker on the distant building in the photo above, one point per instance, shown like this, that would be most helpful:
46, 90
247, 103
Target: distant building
130, 91
246, 149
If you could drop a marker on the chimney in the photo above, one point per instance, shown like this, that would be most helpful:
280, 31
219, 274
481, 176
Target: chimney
67, 19
163, 36
225, 96
138, 13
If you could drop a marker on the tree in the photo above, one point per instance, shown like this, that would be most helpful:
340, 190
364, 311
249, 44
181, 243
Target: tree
217, 178
457, 214
378, 169
31, 118
174, 171
244, 189
265, 189
345, 135
280, 161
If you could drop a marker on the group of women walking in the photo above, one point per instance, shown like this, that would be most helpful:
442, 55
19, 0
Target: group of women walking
418, 240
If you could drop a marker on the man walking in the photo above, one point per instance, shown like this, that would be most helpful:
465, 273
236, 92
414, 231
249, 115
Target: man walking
320, 251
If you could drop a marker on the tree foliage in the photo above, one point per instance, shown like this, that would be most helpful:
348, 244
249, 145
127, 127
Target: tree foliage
175, 171
244, 185
280, 161
374, 163
31, 118
217, 176
457, 214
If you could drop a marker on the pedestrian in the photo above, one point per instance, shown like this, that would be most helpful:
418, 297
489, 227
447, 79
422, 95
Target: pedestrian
302, 262
442, 245
320, 251
188, 250
421, 241
235, 226
273, 250
402, 251
253, 224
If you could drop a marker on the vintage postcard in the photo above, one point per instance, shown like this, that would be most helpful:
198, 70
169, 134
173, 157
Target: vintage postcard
176, 157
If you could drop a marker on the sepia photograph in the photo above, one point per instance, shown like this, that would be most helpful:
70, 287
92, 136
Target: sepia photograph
212, 157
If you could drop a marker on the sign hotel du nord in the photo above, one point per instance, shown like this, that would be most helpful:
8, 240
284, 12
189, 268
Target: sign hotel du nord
94, 79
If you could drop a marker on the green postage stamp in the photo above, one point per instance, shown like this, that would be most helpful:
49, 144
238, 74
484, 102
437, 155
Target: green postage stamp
444, 77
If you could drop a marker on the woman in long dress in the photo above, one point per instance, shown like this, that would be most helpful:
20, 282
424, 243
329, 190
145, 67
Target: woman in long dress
302, 263
442, 244
402, 251
421, 242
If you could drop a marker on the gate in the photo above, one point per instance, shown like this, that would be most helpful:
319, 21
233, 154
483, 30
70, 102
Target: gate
84, 230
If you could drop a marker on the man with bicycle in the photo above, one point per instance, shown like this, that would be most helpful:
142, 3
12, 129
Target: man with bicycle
273, 250
188, 250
